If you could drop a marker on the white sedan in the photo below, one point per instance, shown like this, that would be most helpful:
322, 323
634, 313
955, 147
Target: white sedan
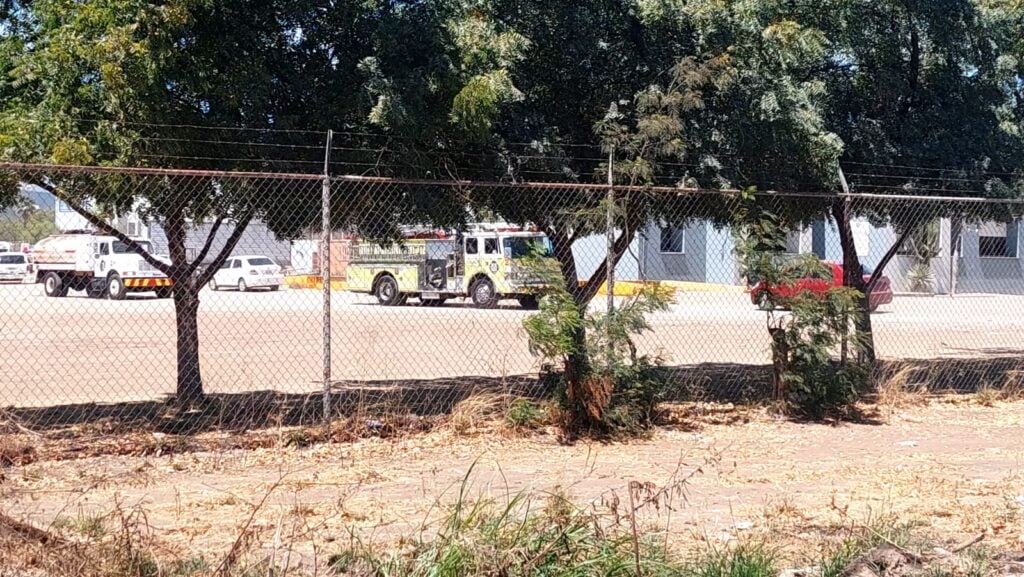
16, 267
248, 272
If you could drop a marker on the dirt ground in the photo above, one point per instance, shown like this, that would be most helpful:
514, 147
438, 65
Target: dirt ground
953, 465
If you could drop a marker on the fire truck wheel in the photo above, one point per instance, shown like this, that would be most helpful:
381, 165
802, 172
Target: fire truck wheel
54, 286
115, 288
387, 292
483, 294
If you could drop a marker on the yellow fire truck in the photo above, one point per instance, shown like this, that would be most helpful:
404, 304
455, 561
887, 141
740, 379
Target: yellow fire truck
486, 265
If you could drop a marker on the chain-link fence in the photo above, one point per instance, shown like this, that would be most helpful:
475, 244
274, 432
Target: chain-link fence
124, 287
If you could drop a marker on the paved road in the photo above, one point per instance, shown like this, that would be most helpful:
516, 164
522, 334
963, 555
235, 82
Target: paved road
77, 350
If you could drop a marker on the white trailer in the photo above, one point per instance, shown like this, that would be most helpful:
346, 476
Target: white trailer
102, 266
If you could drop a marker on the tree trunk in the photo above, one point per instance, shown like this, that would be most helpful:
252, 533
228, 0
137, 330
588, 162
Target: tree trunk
576, 366
589, 392
853, 277
186, 313
780, 362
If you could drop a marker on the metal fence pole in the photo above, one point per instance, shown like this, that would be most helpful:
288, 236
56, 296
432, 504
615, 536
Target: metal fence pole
610, 237
325, 274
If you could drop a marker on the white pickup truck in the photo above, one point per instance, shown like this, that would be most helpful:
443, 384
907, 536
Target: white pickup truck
102, 266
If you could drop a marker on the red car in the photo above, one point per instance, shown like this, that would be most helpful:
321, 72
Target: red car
765, 296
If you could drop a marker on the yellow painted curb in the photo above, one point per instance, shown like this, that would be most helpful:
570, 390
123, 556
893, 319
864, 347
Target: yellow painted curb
630, 288
310, 281
689, 286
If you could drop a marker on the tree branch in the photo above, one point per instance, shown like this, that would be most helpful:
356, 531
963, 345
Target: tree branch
206, 247
229, 246
106, 228
888, 256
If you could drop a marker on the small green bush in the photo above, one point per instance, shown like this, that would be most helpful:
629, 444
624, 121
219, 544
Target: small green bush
525, 414
816, 348
743, 561
822, 376
616, 390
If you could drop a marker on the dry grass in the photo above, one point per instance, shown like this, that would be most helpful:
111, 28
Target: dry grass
899, 387
478, 413
16, 450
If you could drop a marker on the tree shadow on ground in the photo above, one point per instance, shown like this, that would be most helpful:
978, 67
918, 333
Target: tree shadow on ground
710, 382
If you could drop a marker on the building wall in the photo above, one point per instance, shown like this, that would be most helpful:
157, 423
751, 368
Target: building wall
590, 252
999, 275
257, 240
690, 265
707, 256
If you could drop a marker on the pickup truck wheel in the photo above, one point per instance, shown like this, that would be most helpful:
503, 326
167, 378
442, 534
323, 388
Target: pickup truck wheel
483, 294
115, 288
387, 292
54, 286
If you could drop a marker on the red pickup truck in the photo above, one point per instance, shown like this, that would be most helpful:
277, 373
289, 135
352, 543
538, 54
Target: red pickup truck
766, 296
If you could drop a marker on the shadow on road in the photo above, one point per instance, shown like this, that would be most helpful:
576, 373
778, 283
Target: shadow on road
717, 382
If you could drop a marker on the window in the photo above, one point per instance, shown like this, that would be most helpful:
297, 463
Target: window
522, 247
104, 248
997, 239
471, 246
490, 246
227, 264
12, 259
122, 248
236, 264
261, 261
133, 229
672, 240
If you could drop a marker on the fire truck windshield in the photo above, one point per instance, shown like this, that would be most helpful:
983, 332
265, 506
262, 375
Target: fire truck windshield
522, 247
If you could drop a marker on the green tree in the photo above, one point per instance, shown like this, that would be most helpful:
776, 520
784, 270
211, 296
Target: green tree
680, 94
84, 80
926, 98
26, 222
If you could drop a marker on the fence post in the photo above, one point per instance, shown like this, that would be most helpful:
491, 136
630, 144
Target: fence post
325, 274
610, 238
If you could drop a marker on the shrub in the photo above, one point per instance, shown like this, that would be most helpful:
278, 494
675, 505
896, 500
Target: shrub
613, 388
821, 376
525, 414
816, 347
